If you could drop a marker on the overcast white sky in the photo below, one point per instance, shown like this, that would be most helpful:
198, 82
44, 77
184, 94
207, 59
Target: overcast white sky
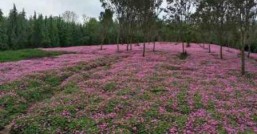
91, 8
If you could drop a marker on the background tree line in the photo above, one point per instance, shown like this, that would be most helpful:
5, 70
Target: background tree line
183, 21
17, 31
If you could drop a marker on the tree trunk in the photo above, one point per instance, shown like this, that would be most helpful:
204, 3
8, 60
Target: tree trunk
154, 46
127, 47
101, 48
118, 47
221, 52
102, 42
127, 44
243, 61
118, 41
144, 50
183, 47
242, 53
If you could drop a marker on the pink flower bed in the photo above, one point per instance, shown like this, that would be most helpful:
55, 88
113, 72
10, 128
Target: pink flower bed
11, 71
14, 70
161, 92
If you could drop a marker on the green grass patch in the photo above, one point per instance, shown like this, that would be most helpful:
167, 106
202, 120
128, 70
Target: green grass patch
12, 106
110, 86
117, 105
16, 55
183, 105
255, 117
181, 121
155, 123
126, 91
170, 67
161, 127
198, 101
20, 95
152, 113
70, 89
55, 124
159, 90
146, 95
221, 130
111, 105
24, 93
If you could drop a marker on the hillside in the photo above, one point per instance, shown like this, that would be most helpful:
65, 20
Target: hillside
102, 91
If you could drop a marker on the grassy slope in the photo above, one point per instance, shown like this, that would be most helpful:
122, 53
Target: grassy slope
20, 95
16, 55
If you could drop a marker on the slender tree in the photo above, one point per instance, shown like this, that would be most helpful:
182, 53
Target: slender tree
204, 20
220, 11
245, 11
180, 12
252, 38
106, 20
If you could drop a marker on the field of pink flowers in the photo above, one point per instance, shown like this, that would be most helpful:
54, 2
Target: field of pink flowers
96, 91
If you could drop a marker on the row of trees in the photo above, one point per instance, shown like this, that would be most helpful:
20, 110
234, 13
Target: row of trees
224, 22
137, 20
233, 18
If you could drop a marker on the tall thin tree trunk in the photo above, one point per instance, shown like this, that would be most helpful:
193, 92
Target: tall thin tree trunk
228, 46
144, 50
183, 47
127, 47
243, 61
118, 43
131, 44
154, 46
118, 47
102, 42
243, 53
